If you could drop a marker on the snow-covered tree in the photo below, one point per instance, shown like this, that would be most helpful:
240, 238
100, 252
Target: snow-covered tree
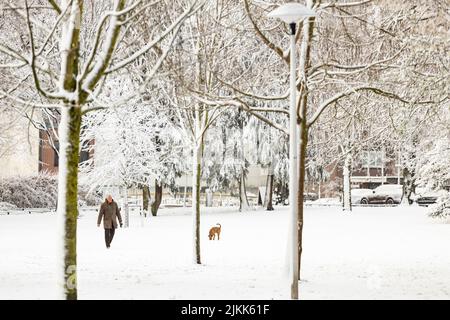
61, 58
434, 169
434, 163
344, 135
226, 158
201, 52
271, 152
133, 146
440, 209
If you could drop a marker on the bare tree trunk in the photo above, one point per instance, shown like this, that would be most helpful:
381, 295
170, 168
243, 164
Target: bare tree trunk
308, 29
196, 175
209, 198
158, 198
408, 186
301, 186
185, 193
347, 203
126, 212
270, 194
243, 200
145, 199
69, 135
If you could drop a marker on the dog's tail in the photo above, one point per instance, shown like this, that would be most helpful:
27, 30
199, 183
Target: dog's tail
219, 225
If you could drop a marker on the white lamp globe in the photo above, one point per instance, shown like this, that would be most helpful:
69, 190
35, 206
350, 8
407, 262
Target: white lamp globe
292, 12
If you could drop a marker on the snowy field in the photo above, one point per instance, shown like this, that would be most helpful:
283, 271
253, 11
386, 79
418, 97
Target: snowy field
372, 253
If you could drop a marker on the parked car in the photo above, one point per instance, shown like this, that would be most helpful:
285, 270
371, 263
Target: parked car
358, 194
310, 196
425, 197
384, 194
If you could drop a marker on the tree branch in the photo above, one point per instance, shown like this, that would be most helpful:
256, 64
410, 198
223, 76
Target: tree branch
89, 80
58, 20
55, 6
191, 10
251, 95
4, 94
343, 4
244, 106
264, 39
365, 21
351, 91
33, 58
355, 68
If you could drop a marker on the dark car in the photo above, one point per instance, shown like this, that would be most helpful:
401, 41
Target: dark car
310, 196
425, 198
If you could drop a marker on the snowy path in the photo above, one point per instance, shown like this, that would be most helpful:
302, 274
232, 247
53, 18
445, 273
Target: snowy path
374, 253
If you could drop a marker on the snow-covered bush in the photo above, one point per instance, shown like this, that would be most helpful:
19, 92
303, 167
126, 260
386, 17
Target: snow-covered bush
7, 206
441, 209
88, 199
38, 191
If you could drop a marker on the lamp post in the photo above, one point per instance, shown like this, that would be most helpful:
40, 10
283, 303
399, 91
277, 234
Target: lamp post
291, 13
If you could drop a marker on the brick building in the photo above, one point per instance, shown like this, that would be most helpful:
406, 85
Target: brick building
369, 170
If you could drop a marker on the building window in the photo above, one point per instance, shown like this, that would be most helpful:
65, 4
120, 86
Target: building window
84, 153
372, 159
56, 154
84, 156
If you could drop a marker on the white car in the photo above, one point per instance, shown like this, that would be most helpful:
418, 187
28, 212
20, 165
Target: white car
387, 194
358, 194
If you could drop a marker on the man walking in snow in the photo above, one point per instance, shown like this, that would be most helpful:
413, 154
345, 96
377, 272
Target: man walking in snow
109, 210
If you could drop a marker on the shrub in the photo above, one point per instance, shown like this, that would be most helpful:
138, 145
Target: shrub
441, 209
7, 206
29, 192
38, 191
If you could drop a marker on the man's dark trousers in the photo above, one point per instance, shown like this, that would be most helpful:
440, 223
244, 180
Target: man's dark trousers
109, 235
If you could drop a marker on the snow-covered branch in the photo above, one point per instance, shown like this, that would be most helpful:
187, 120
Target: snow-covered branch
33, 59
188, 12
348, 92
352, 69
335, 4
55, 6
263, 37
90, 79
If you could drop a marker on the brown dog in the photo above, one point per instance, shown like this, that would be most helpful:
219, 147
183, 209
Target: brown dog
213, 231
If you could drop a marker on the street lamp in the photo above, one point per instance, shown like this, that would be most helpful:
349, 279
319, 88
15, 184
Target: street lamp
291, 13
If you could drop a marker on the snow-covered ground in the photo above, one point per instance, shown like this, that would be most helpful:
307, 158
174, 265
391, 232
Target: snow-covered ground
372, 253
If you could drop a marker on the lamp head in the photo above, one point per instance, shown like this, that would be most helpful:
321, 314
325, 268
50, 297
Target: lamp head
292, 12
